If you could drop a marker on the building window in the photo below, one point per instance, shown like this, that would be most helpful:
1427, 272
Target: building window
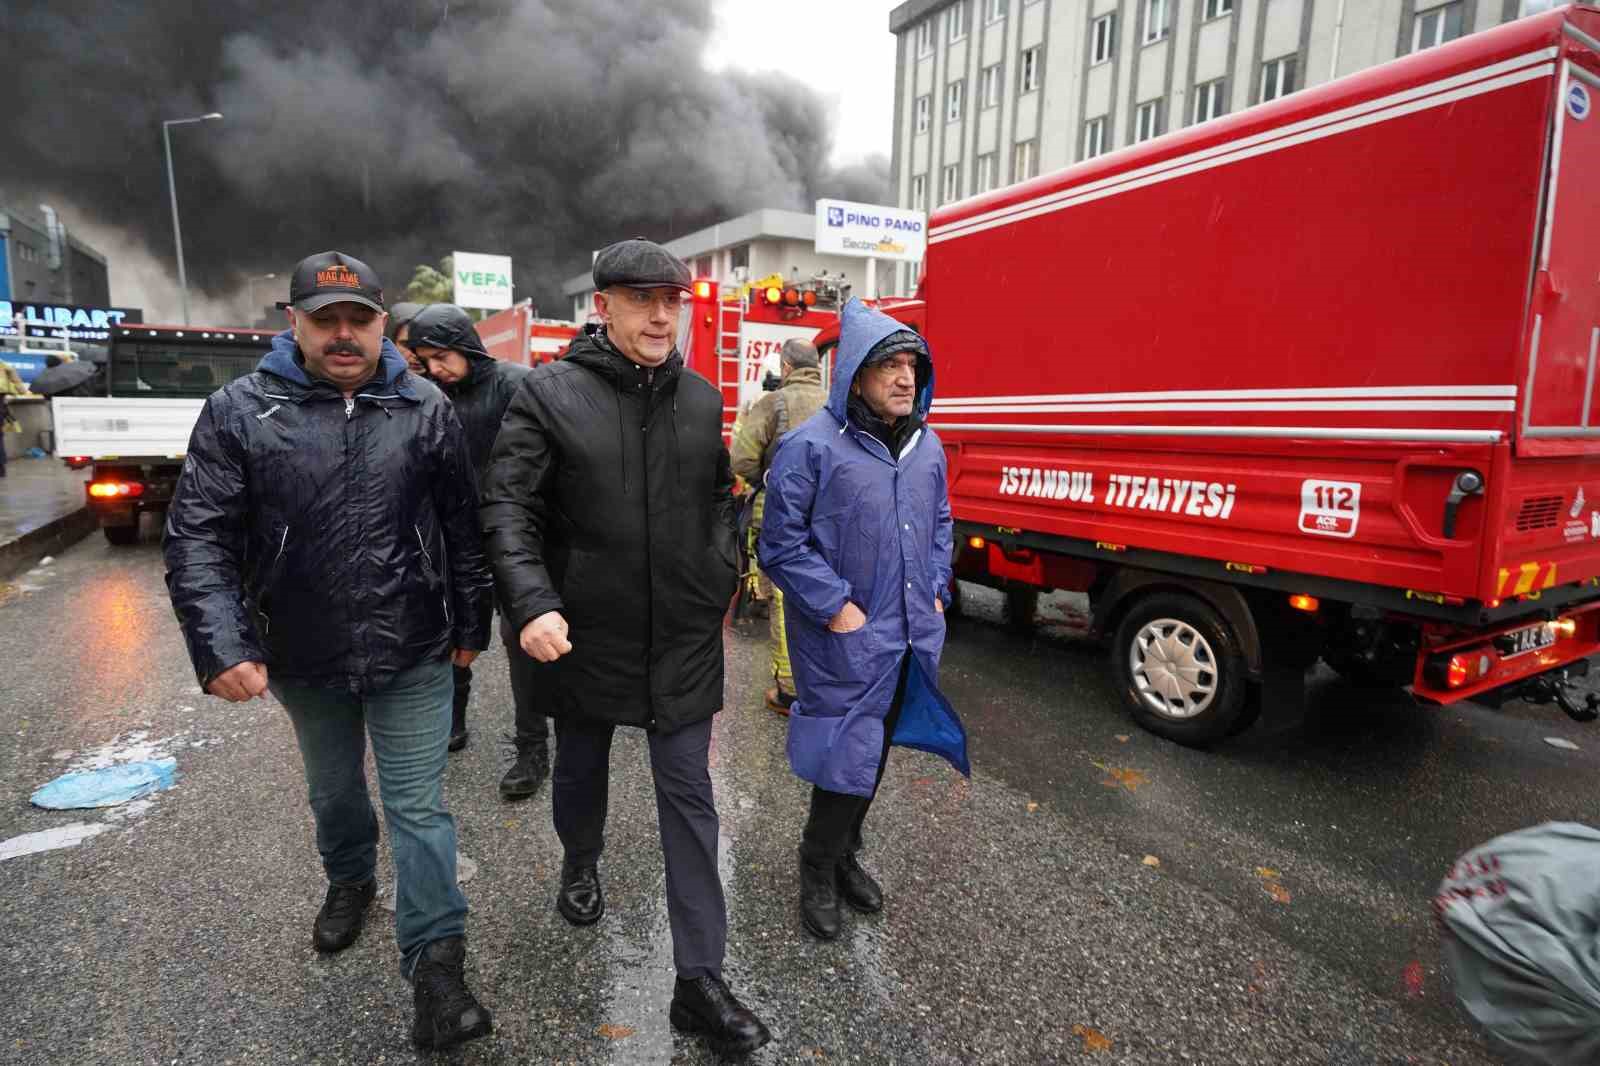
919, 192
925, 37
1155, 20
739, 257
951, 186
1094, 137
1436, 27
1215, 9
988, 176
953, 95
1025, 161
1030, 70
702, 266
989, 87
1210, 100
924, 105
1277, 78
1147, 121
1100, 38
996, 9
957, 21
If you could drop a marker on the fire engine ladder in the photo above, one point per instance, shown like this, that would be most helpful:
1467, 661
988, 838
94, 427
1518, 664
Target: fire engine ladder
730, 357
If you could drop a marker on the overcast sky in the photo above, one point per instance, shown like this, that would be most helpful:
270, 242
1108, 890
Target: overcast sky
842, 47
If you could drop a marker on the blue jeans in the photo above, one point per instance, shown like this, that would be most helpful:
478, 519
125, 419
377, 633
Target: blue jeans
409, 722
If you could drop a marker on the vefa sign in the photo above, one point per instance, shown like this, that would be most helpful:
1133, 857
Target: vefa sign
65, 320
482, 281
870, 231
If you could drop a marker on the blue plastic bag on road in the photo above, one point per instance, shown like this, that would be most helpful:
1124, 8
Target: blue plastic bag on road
1521, 923
108, 787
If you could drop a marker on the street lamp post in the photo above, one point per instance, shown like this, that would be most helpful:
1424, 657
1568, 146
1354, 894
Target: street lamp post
172, 191
251, 288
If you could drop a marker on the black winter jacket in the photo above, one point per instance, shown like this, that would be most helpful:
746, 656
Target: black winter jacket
482, 396
336, 541
609, 499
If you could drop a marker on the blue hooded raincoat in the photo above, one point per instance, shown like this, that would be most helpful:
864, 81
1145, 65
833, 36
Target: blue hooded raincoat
847, 521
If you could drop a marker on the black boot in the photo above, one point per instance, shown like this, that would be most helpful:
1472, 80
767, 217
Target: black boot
462, 676
447, 1014
704, 1005
529, 771
856, 886
343, 912
580, 900
458, 729
819, 899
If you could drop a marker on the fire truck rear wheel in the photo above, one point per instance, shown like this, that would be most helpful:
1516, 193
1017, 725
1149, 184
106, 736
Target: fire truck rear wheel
1180, 669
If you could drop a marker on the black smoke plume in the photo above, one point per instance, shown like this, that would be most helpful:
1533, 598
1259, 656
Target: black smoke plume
400, 130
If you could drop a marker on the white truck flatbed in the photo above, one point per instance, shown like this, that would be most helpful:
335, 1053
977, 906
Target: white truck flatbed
107, 428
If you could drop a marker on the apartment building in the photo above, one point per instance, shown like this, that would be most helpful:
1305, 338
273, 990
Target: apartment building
991, 92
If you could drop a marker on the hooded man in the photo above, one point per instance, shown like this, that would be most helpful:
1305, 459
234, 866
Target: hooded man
857, 535
481, 388
608, 513
323, 543
799, 396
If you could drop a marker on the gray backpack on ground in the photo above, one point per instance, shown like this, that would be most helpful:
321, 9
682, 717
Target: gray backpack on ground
1520, 920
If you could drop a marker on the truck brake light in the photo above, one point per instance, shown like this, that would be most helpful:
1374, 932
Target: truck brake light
114, 489
774, 295
1302, 602
702, 290
1462, 668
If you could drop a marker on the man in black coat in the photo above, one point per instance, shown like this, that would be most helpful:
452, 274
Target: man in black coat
607, 512
481, 388
323, 543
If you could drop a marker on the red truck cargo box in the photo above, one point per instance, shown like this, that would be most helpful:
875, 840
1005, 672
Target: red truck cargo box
1280, 338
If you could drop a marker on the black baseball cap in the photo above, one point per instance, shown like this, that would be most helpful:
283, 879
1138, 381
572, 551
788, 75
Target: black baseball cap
640, 264
332, 278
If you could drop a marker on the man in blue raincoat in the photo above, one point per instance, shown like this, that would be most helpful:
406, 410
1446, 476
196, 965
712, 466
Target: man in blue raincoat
857, 535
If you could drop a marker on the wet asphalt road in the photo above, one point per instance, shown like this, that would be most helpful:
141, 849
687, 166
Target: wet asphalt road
1023, 924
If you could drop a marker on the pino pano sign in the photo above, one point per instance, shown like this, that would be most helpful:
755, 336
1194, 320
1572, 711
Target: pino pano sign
482, 281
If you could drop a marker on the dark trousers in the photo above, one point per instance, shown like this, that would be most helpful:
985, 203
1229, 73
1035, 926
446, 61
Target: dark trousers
687, 816
833, 825
531, 723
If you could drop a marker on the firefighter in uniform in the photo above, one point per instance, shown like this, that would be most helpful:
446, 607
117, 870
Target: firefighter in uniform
755, 441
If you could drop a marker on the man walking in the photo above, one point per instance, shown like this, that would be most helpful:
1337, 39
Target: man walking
323, 543
398, 330
857, 536
754, 443
608, 514
481, 388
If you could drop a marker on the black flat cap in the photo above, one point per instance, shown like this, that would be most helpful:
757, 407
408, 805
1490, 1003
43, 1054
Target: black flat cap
640, 264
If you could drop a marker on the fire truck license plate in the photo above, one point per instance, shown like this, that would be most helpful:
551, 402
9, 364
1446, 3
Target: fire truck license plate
1525, 641
1330, 508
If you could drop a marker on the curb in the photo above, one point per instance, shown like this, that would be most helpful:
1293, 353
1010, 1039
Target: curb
52, 538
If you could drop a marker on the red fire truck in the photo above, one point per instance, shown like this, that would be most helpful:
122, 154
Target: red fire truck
516, 336
1312, 380
733, 337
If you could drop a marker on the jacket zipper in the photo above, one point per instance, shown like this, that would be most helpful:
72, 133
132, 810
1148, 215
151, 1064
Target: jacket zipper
282, 543
349, 407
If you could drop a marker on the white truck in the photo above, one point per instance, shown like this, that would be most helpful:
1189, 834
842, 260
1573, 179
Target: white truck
157, 379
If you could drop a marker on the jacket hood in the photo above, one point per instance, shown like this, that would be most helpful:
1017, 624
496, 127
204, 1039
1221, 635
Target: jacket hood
283, 360
861, 329
448, 327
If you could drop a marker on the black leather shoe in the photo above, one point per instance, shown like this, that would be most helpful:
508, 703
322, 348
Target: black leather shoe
528, 773
819, 900
704, 1005
580, 900
447, 1014
856, 886
342, 915
458, 730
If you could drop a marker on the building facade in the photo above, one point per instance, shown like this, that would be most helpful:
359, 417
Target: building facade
40, 262
747, 248
992, 92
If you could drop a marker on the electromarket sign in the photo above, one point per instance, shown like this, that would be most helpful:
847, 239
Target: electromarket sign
66, 321
482, 281
870, 231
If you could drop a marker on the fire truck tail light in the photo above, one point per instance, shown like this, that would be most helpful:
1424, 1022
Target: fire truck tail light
808, 298
774, 295
114, 489
1302, 602
976, 543
702, 290
1459, 669
1564, 628
791, 297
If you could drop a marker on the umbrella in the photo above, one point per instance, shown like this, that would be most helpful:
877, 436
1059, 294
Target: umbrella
54, 379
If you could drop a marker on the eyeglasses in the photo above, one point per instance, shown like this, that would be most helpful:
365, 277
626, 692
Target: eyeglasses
670, 299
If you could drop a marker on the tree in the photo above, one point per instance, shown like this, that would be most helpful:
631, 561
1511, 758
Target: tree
432, 286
